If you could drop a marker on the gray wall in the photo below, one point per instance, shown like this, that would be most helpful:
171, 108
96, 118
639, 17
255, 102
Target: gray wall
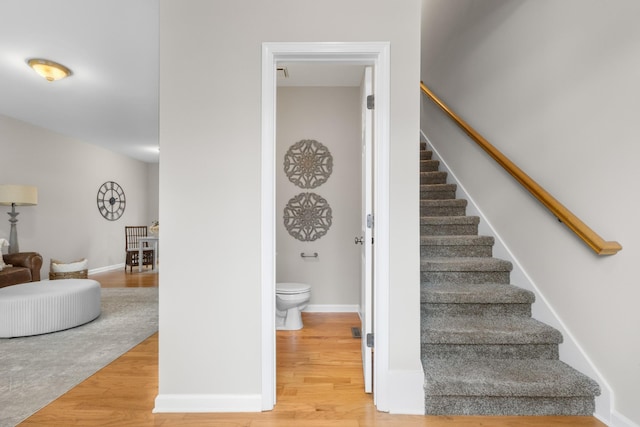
554, 86
210, 134
66, 224
153, 184
330, 115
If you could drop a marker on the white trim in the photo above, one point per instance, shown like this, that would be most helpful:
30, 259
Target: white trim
106, 268
406, 392
332, 308
571, 352
207, 403
381, 282
365, 53
268, 229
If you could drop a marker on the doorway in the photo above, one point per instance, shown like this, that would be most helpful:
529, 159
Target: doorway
375, 55
318, 158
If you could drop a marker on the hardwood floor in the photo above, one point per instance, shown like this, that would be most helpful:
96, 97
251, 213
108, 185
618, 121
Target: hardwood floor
319, 384
121, 279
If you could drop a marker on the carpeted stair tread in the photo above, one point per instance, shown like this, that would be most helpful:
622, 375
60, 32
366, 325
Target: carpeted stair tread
444, 203
504, 377
448, 225
436, 177
438, 191
481, 293
429, 165
470, 245
426, 154
456, 240
438, 187
449, 220
488, 330
443, 207
465, 264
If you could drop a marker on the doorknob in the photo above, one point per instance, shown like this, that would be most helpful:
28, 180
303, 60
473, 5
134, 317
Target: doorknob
359, 240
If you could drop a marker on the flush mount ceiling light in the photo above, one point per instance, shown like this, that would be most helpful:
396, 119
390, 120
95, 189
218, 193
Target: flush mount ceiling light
48, 69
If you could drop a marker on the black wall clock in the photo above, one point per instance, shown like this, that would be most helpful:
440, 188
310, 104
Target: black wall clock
111, 200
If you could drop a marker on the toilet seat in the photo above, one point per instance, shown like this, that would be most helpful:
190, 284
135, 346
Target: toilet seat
292, 288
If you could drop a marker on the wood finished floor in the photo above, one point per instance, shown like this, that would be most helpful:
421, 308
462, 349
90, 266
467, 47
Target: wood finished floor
319, 384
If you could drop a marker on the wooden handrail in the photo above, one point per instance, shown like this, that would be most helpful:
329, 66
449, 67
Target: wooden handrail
591, 238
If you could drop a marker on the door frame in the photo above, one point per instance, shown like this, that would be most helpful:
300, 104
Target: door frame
376, 54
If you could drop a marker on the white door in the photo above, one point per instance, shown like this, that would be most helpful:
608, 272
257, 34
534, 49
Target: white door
366, 235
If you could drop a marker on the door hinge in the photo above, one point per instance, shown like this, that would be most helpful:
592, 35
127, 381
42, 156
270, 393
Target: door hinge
369, 221
370, 340
370, 102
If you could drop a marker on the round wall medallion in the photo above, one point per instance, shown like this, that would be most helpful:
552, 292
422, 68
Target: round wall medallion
307, 217
308, 163
111, 200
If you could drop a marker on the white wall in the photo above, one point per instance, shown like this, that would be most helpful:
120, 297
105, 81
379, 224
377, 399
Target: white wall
66, 224
210, 133
554, 86
331, 116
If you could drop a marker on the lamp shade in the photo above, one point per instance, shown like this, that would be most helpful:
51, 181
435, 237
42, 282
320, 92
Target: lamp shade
20, 195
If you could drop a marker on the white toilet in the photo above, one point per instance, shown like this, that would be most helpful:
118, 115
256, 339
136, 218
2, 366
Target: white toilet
291, 298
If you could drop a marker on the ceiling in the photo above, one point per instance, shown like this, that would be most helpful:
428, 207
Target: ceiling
111, 47
320, 74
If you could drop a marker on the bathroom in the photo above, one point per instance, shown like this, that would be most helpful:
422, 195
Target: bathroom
323, 114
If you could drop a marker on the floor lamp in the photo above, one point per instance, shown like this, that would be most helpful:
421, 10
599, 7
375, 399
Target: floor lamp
16, 195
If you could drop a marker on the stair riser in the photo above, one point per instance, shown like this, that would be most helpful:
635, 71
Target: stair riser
511, 405
426, 155
449, 230
433, 178
456, 250
487, 351
429, 165
443, 210
427, 277
504, 309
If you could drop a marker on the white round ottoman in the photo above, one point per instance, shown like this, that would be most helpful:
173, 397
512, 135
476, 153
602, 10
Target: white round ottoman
47, 306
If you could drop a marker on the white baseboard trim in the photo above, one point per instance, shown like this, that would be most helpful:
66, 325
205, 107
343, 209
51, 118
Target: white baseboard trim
208, 403
406, 392
619, 420
106, 268
332, 308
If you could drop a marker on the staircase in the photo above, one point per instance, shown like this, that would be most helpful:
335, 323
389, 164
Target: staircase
482, 353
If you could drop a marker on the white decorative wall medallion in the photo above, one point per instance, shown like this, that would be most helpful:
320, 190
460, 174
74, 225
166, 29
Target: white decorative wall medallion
307, 217
308, 163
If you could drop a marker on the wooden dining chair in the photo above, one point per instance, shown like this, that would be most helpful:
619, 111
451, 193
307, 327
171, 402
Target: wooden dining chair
132, 235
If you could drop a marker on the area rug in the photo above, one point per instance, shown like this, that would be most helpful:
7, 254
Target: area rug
36, 370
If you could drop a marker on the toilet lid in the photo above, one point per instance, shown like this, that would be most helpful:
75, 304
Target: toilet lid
292, 288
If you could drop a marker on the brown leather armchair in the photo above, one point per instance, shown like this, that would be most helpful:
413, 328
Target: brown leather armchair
25, 267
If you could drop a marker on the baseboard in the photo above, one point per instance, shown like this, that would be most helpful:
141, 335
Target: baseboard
332, 308
406, 392
106, 268
207, 403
